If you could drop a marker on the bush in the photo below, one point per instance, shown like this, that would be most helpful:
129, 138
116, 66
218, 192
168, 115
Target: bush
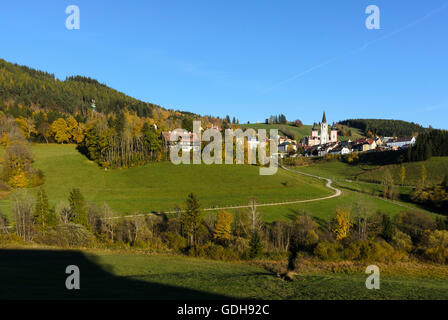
67, 235
326, 250
213, 251
402, 241
415, 224
373, 252
175, 241
437, 246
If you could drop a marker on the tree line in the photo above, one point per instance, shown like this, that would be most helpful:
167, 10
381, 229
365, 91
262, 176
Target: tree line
354, 233
385, 128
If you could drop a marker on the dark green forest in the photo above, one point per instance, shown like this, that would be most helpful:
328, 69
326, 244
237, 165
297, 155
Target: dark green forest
385, 128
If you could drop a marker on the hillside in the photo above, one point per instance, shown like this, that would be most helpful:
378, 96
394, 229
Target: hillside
386, 128
23, 90
436, 169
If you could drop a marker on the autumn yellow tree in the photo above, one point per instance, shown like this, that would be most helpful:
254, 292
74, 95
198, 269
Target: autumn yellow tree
61, 131
27, 126
223, 226
402, 174
424, 175
342, 223
76, 129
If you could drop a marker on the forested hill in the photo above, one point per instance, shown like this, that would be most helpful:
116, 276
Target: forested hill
23, 89
386, 128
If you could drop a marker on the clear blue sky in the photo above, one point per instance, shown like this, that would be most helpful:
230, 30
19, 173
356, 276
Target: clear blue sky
248, 59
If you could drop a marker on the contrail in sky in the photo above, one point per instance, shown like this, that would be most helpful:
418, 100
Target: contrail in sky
363, 47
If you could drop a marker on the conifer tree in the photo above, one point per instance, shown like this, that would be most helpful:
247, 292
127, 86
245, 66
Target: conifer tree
191, 218
79, 208
43, 214
255, 245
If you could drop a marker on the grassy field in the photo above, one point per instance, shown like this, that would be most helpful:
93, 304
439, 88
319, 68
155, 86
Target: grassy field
301, 132
436, 169
40, 274
162, 186
368, 195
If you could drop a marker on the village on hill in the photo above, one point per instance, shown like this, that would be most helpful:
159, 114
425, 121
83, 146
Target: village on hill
322, 141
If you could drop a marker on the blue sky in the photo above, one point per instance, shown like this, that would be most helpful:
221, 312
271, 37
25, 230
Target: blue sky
248, 59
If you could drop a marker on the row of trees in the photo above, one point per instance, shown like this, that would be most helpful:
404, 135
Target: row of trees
356, 234
122, 140
277, 119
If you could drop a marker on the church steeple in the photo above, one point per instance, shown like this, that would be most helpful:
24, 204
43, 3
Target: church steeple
324, 118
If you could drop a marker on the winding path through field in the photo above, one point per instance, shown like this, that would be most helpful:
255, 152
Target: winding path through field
337, 193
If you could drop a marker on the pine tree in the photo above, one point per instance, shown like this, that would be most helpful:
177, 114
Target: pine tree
191, 218
44, 216
79, 208
255, 245
388, 228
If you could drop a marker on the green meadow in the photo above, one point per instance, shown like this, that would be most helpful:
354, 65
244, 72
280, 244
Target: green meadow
436, 169
163, 186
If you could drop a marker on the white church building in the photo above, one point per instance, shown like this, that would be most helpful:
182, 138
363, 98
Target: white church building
323, 136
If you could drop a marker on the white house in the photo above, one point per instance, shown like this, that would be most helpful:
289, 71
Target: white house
283, 147
401, 142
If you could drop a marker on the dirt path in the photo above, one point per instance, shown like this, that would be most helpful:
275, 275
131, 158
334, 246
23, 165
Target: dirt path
285, 203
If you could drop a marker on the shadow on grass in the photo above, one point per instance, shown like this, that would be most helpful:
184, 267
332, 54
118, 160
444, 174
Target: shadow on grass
40, 274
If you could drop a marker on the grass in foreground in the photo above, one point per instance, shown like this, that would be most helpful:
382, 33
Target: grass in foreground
40, 274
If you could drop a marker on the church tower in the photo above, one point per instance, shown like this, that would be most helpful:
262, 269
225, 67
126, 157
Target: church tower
334, 133
324, 138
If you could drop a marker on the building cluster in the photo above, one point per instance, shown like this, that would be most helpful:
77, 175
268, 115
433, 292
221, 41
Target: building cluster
322, 141
325, 142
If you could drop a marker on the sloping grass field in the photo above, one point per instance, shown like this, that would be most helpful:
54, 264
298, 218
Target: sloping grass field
162, 186
436, 169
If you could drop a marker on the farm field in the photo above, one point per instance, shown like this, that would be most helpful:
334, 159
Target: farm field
162, 186
39, 274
